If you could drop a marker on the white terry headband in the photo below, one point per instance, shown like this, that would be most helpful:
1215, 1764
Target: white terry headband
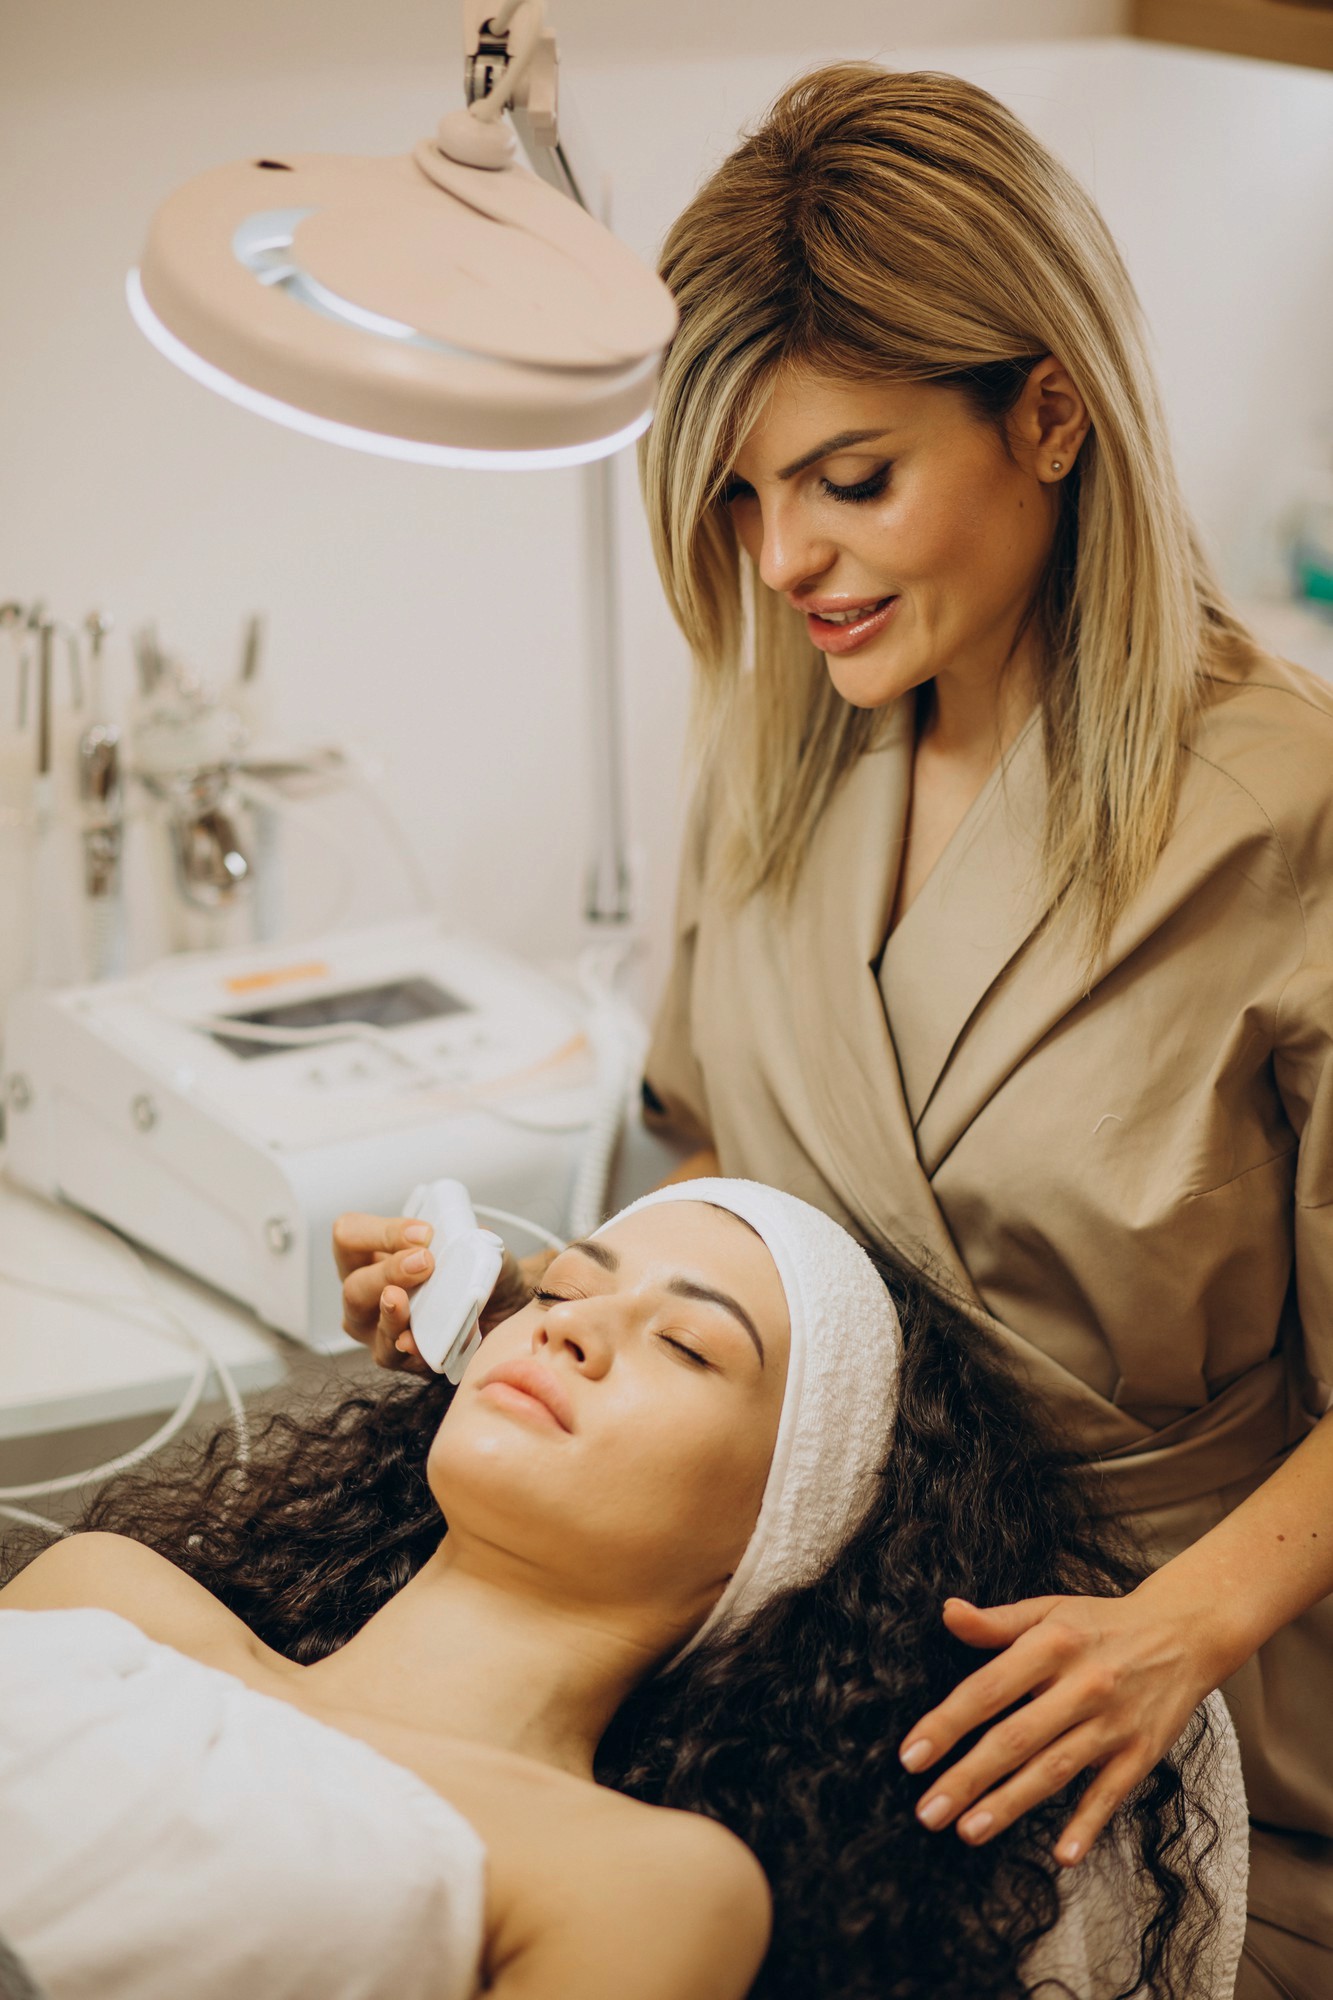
839, 1402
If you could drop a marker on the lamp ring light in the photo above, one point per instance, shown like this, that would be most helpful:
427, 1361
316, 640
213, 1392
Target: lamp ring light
338, 295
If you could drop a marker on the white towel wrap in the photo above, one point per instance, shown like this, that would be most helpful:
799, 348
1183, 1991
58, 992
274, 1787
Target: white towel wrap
840, 1398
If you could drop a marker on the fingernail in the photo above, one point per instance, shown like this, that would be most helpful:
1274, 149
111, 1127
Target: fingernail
935, 1811
976, 1826
915, 1756
1068, 1851
417, 1232
416, 1262
403, 1342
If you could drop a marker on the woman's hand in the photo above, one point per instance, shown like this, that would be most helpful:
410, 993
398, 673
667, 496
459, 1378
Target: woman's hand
383, 1259
1106, 1685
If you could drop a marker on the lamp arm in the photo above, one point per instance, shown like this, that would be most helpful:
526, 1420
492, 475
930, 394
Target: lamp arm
524, 79
522, 76
507, 75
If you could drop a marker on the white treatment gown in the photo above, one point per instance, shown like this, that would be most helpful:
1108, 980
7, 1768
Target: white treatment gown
166, 1831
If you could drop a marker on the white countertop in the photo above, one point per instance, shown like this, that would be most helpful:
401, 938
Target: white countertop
86, 1324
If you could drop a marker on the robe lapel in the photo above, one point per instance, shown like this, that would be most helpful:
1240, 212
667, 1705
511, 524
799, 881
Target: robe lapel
976, 909
835, 928
1044, 976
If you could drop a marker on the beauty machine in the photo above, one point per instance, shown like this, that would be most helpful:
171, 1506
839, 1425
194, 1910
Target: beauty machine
222, 1109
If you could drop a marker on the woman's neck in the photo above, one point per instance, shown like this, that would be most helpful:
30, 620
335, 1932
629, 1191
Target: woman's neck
471, 1651
973, 716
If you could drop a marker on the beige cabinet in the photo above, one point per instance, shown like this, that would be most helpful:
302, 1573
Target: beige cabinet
1289, 31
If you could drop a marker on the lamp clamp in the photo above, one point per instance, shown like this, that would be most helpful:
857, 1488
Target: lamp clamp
519, 69
484, 64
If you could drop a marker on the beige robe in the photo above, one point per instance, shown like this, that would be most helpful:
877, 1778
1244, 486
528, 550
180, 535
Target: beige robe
1135, 1183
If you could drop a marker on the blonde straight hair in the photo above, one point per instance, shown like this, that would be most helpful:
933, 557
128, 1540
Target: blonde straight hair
906, 226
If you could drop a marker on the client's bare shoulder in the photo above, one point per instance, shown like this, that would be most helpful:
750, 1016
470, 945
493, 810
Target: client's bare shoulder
113, 1573
618, 1897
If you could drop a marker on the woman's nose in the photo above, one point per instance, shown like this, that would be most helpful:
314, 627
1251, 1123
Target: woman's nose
790, 554
579, 1328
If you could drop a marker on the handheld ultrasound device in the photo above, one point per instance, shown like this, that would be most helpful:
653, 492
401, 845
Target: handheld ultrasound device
446, 1311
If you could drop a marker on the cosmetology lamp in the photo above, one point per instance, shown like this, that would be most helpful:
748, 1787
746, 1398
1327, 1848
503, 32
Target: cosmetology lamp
448, 306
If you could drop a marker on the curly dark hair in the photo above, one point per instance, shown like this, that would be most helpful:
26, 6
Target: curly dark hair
787, 1731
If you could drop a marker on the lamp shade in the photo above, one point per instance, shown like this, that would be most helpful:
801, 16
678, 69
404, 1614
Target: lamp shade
412, 306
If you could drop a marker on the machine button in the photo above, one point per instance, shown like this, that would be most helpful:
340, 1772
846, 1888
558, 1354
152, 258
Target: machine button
18, 1091
143, 1111
278, 1234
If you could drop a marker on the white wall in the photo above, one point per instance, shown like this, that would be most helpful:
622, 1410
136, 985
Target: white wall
435, 616
60, 39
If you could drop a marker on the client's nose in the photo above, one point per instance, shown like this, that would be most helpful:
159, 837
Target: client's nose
578, 1330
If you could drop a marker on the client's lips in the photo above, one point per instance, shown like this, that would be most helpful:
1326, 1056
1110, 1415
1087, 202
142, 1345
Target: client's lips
528, 1382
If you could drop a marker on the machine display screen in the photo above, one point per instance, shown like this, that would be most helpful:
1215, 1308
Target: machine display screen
396, 1004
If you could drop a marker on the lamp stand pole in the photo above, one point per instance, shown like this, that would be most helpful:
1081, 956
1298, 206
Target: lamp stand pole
554, 141
608, 888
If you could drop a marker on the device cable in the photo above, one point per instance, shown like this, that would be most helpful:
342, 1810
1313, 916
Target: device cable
164, 1319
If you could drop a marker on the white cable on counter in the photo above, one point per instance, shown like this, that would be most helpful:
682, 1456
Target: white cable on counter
165, 1319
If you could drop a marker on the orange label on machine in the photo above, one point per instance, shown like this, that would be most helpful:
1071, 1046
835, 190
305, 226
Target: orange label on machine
279, 975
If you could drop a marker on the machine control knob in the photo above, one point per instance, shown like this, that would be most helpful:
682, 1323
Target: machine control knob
143, 1111
279, 1235
18, 1091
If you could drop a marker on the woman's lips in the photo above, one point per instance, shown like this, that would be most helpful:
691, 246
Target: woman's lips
529, 1390
831, 638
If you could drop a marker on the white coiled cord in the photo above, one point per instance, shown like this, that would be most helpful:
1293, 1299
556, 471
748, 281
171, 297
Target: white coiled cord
157, 1316
156, 1312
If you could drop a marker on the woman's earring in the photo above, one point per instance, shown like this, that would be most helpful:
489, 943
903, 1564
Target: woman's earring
1057, 465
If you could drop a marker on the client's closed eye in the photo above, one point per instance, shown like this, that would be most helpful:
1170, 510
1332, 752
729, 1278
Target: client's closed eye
690, 1353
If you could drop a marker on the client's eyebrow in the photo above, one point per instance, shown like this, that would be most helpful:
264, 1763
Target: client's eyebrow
599, 1254
684, 1288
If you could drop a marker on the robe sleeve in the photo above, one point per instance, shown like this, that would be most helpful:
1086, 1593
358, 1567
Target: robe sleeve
674, 1097
1304, 1068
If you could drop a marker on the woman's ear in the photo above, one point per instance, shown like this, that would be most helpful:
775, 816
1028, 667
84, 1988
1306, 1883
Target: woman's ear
1049, 422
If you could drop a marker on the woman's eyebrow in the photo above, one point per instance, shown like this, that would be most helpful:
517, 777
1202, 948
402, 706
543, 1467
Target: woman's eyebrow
841, 442
599, 1253
686, 1288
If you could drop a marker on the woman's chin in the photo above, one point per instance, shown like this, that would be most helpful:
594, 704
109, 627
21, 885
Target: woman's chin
884, 666
872, 680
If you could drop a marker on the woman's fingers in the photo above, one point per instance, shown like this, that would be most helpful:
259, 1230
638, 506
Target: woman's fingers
391, 1343
998, 1624
363, 1289
368, 1239
1011, 1750
1027, 1664
1102, 1800
1058, 1765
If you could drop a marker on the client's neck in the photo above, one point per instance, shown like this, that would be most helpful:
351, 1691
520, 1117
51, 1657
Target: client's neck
472, 1647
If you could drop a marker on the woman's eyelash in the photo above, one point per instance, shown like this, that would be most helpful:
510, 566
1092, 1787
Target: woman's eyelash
546, 1298
690, 1353
864, 489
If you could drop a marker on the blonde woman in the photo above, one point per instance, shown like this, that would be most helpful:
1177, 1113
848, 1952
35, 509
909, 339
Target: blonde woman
1006, 920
